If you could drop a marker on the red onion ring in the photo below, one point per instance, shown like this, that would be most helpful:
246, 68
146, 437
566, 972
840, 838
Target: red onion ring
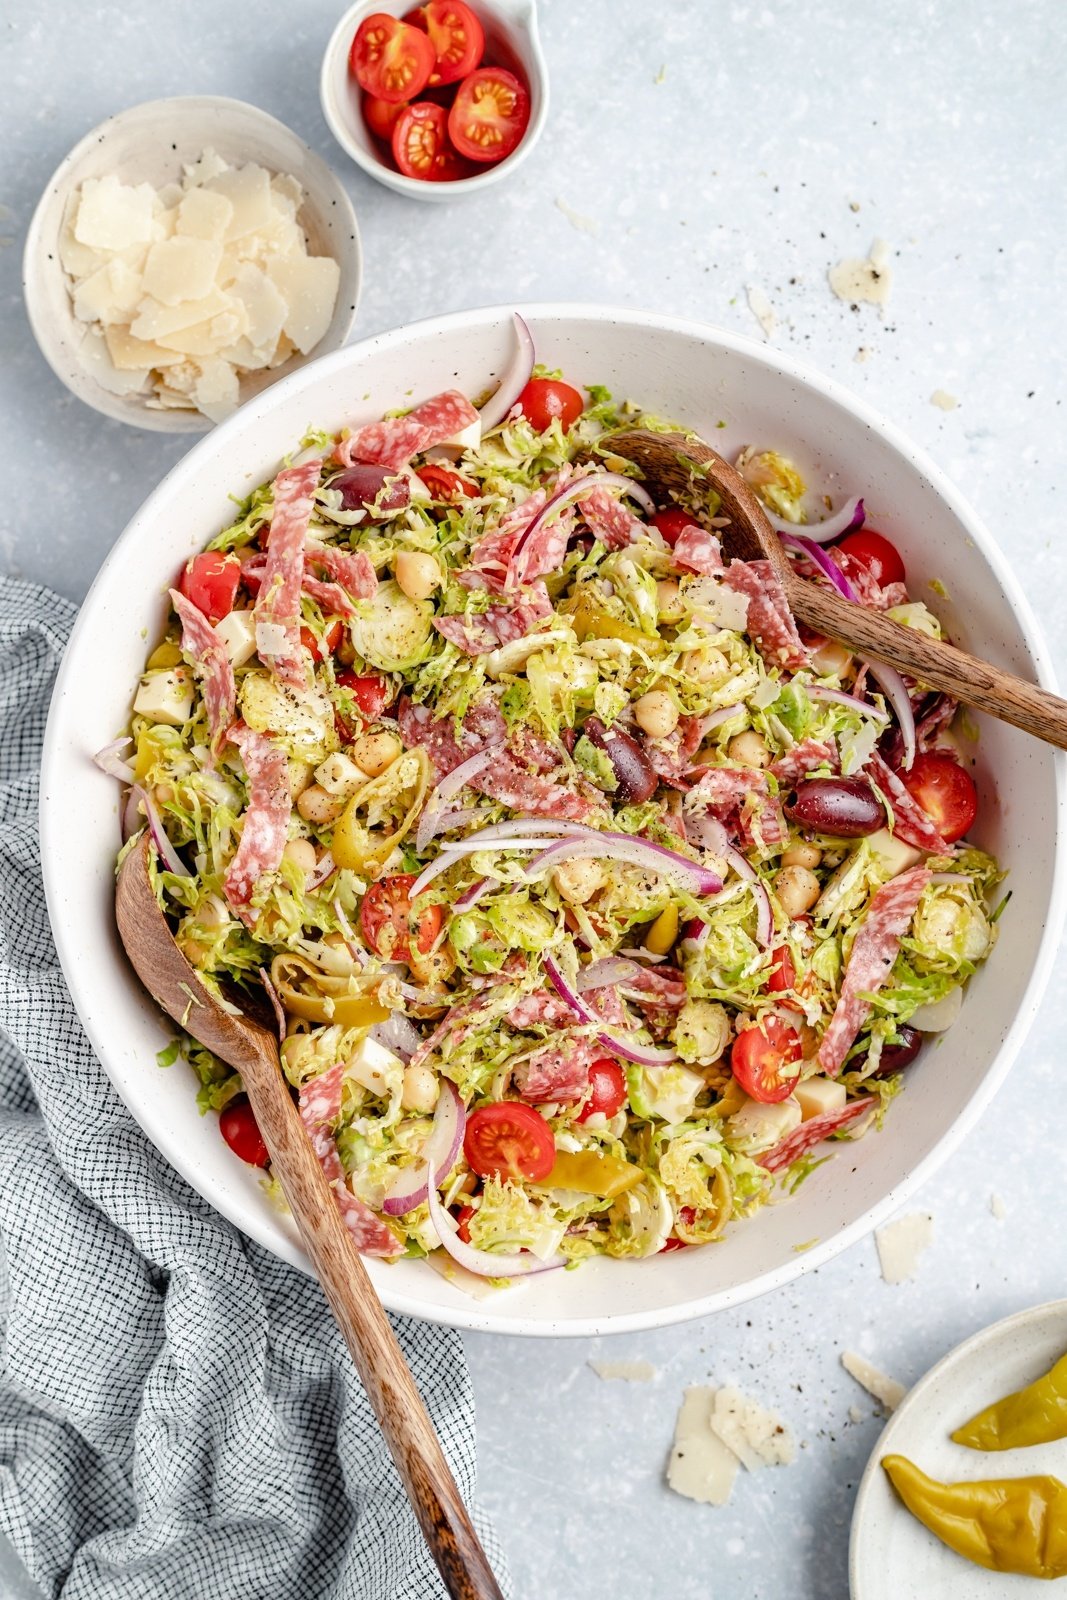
451, 785
323, 869
170, 858
574, 490
108, 760
838, 697
847, 520
715, 719
605, 972
399, 1035
484, 1263
644, 1055
638, 852
409, 1188
355, 949
131, 821
829, 568
515, 377
471, 896
451, 853
895, 690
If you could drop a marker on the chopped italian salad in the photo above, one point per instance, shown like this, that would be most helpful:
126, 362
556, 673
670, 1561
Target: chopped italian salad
592, 894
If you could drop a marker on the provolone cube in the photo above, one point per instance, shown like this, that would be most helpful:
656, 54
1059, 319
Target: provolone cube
893, 852
816, 1096
248, 191
113, 215
237, 630
308, 284
157, 321
166, 697
204, 214
181, 269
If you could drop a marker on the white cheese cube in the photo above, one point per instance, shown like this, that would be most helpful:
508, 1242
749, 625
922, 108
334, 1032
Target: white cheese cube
113, 215
308, 285
373, 1066
340, 776
757, 1126
166, 697
892, 851
816, 1096
468, 438
237, 630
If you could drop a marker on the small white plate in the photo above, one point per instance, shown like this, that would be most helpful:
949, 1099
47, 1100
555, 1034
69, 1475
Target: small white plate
892, 1556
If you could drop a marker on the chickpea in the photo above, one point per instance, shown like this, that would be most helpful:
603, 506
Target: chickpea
418, 575
802, 854
797, 889
373, 752
656, 713
301, 852
434, 968
750, 748
831, 659
318, 807
578, 881
669, 604
707, 667
420, 1089
164, 794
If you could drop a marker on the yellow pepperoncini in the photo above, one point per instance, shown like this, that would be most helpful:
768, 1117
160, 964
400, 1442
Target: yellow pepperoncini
591, 621
592, 1172
363, 839
167, 654
1034, 1415
316, 996
662, 933
1008, 1525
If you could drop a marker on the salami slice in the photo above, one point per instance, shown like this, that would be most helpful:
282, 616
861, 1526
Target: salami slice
661, 988
500, 624
812, 1132
277, 608
557, 1073
670, 757
483, 725
535, 793
805, 757
352, 569
266, 821
320, 1104
909, 819
870, 961
608, 519
212, 664
493, 553
770, 622
544, 1009
697, 550
393, 442
740, 798
330, 597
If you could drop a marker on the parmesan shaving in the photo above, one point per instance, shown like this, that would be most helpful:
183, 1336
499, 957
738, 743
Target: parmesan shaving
943, 400
701, 1467
761, 309
997, 1207
868, 279
885, 1390
757, 1437
624, 1371
901, 1243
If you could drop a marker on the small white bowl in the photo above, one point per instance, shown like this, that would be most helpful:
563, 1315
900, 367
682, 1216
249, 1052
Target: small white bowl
150, 143
512, 41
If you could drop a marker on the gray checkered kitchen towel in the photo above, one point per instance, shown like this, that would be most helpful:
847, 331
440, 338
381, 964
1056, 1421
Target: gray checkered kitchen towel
179, 1418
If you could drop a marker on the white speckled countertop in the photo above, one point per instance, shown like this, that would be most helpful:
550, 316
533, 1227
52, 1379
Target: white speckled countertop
691, 151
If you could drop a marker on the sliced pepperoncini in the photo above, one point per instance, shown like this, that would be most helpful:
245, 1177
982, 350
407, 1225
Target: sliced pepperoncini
592, 1172
662, 933
1034, 1415
591, 621
362, 838
317, 996
167, 654
1006, 1524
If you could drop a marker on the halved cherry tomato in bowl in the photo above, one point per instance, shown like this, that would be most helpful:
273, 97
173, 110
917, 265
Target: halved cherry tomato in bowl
545, 399
390, 924
607, 1086
456, 35
211, 580
945, 791
783, 974
420, 144
444, 484
874, 550
490, 115
761, 1059
238, 1126
332, 639
370, 692
464, 1218
390, 59
509, 1139
381, 115
672, 522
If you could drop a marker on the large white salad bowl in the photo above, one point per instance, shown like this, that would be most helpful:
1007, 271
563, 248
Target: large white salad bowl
734, 392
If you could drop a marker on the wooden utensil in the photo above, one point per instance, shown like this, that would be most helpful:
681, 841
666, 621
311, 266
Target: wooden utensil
670, 461
252, 1050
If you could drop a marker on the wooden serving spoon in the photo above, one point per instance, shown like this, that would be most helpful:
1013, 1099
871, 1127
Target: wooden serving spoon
252, 1050
670, 461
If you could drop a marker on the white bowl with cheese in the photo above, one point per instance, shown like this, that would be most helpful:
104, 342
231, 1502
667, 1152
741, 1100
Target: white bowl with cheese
171, 271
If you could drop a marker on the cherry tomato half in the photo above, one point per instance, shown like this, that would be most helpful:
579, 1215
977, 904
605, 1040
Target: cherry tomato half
319, 649
489, 115
210, 580
545, 399
874, 550
783, 973
389, 924
464, 1218
456, 36
446, 485
671, 523
371, 693
238, 1126
686, 1216
509, 1140
420, 144
607, 1084
390, 59
381, 115
945, 791
761, 1058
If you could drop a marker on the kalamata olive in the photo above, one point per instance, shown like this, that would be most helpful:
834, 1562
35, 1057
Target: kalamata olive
848, 808
896, 1056
636, 779
362, 484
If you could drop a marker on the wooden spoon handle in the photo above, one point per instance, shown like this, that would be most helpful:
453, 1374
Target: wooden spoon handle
934, 662
385, 1374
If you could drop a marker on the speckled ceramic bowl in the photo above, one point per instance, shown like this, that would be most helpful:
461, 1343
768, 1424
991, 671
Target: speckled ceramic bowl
149, 144
736, 392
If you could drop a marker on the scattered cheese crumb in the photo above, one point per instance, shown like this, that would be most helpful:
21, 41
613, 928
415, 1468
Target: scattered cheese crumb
864, 353
853, 205
886, 1390
901, 1243
624, 1371
943, 400
576, 219
661, 75
997, 1206
855, 1414
700, 1467
761, 309
868, 279
758, 1438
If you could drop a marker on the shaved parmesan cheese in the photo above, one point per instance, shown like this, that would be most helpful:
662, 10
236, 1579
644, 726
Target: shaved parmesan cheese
868, 279
713, 603
182, 269
109, 295
288, 192
248, 191
95, 357
112, 215
624, 1371
761, 309
886, 1390
157, 321
209, 165
997, 1207
271, 638
900, 1244
701, 1467
203, 214
129, 354
265, 308
308, 285
758, 1438
943, 400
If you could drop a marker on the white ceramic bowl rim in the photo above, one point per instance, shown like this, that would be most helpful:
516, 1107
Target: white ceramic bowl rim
478, 1316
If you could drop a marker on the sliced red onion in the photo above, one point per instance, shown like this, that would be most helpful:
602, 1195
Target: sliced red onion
398, 1034
644, 1055
576, 489
838, 697
825, 564
323, 868
471, 896
745, 870
276, 1004
715, 719
605, 972
131, 820
706, 831
352, 944
485, 1263
847, 520
518, 826
409, 1187
449, 786
448, 821
451, 853
638, 852
109, 760
170, 858
895, 690
515, 377
949, 877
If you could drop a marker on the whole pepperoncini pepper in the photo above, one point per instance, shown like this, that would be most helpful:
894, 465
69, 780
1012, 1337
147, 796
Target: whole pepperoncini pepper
1008, 1525
1034, 1415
